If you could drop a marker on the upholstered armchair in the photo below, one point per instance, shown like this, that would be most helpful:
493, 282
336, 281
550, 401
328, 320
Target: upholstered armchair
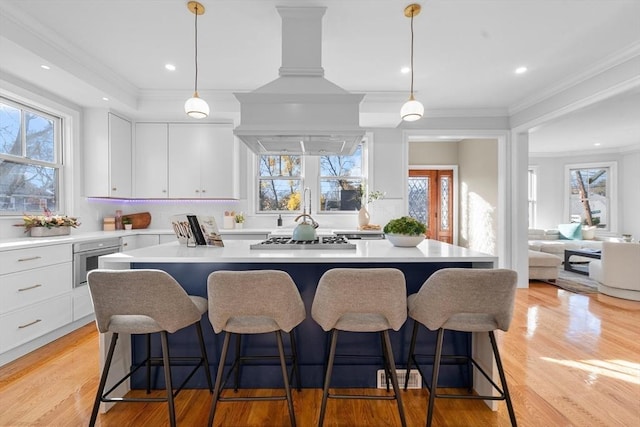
618, 272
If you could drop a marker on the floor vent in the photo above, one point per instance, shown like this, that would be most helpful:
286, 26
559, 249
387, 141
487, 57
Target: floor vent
415, 381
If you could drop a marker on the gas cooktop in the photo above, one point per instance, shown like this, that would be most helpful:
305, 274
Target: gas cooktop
322, 242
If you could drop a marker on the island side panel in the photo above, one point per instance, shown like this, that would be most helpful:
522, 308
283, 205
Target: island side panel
312, 340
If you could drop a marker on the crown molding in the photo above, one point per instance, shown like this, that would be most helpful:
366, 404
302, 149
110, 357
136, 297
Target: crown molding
613, 60
598, 151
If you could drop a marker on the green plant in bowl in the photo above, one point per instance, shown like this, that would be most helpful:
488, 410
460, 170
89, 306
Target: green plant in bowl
405, 231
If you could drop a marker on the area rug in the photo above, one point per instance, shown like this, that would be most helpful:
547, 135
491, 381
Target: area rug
573, 282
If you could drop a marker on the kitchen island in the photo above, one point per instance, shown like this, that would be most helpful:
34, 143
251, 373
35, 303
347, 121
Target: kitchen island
191, 266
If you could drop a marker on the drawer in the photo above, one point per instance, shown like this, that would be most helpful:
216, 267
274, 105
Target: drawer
27, 287
21, 326
82, 305
25, 259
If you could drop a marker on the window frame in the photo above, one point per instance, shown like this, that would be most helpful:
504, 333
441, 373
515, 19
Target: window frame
612, 191
362, 178
259, 177
58, 152
532, 195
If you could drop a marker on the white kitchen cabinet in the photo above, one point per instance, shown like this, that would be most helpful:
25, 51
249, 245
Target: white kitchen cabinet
203, 161
139, 241
107, 149
150, 161
36, 293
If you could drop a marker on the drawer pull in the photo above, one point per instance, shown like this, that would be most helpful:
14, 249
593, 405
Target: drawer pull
29, 324
30, 287
29, 259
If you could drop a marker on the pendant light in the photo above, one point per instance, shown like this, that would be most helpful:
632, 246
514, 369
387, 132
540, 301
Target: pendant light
195, 106
412, 110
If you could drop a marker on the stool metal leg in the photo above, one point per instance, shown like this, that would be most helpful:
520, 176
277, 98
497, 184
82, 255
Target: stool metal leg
503, 379
167, 376
394, 376
205, 359
434, 377
327, 378
103, 380
285, 377
412, 349
218, 384
238, 363
385, 362
148, 364
294, 356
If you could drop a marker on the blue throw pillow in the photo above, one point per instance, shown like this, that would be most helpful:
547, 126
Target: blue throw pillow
571, 231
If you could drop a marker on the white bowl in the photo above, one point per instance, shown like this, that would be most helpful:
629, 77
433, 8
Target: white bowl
404, 240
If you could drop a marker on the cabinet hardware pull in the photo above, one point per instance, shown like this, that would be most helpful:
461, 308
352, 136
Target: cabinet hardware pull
29, 287
29, 259
204, 191
29, 324
125, 244
114, 189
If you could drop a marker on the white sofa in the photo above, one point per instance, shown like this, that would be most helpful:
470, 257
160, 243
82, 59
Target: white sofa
618, 270
549, 241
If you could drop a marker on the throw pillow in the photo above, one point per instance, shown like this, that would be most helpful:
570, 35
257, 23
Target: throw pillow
571, 231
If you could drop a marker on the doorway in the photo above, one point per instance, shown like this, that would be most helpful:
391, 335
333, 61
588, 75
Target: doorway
431, 201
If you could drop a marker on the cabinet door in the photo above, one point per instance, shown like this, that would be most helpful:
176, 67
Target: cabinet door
185, 141
119, 156
151, 167
218, 162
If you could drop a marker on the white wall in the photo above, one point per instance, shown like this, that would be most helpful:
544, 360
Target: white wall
551, 191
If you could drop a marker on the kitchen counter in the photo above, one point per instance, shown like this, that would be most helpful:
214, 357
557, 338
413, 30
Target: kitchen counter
192, 265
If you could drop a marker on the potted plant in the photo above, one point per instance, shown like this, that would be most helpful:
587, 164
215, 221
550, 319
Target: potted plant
239, 218
405, 231
126, 222
48, 225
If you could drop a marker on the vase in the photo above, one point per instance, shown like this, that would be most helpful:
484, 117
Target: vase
50, 232
363, 217
239, 225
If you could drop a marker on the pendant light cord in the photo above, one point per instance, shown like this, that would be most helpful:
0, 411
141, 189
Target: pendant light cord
196, 44
411, 54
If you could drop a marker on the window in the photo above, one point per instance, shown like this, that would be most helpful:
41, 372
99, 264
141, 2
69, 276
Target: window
532, 196
336, 182
30, 160
279, 183
341, 182
591, 194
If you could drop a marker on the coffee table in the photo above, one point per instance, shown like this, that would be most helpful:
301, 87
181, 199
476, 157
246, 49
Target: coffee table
580, 269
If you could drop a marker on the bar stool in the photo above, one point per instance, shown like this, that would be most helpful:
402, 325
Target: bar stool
467, 300
254, 302
361, 300
144, 302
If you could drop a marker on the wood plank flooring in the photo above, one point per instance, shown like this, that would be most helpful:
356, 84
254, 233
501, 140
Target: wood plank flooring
571, 360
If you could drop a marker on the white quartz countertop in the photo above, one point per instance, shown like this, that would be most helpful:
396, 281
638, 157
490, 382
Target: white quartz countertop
238, 251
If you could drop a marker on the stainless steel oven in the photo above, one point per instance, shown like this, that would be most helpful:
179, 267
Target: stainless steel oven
85, 257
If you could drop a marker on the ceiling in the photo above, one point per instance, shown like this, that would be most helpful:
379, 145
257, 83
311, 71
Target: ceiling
466, 52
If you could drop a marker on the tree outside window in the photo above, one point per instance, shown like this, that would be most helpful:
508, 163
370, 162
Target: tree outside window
279, 183
341, 182
590, 200
29, 161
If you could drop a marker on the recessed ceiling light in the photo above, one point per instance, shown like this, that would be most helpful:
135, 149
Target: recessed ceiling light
405, 70
170, 67
104, 98
597, 144
45, 67
521, 70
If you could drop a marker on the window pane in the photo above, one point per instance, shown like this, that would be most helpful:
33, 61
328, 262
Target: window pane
342, 165
10, 141
27, 188
340, 194
589, 195
280, 166
418, 200
279, 194
40, 141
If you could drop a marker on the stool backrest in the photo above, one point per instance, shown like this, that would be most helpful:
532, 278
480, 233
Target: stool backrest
456, 291
360, 290
152, 293
269, 293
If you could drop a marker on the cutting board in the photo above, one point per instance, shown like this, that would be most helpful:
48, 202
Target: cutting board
139, 220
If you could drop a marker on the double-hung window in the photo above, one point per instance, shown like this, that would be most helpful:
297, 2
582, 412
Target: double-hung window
30, 159
592, 194
341, 181
279, 183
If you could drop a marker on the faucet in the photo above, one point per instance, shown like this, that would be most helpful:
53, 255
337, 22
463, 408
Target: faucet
304, 213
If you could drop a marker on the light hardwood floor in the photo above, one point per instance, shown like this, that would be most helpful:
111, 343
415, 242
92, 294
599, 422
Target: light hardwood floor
571, 360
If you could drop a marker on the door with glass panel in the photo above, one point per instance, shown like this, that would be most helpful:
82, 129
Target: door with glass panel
431, 201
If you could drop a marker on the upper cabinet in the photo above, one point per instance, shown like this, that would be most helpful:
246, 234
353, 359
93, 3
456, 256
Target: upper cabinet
203, 161
151, 167
107, 154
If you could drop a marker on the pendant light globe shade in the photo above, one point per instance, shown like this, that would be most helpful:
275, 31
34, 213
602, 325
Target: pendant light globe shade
412, 110
196, 107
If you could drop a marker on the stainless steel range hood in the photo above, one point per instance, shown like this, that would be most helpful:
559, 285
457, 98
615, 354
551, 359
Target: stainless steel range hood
300, 112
